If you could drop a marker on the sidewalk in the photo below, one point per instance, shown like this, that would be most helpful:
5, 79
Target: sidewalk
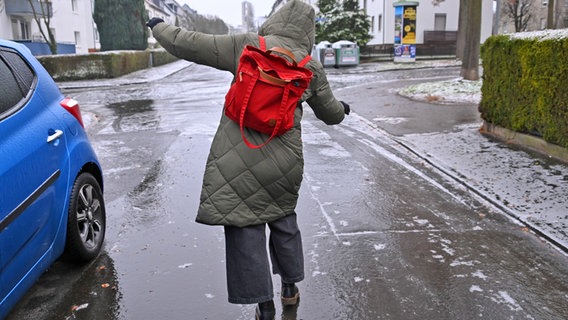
529, 187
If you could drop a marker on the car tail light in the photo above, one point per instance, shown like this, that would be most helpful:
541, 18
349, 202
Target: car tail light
72, 106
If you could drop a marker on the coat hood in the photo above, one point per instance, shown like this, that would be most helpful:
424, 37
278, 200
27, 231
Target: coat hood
295, 22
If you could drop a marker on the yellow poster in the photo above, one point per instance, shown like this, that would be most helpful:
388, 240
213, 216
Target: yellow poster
409, 26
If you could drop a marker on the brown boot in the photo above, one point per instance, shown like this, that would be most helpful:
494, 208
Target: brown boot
290, 294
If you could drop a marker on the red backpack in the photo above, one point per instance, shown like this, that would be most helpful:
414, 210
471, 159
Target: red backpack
266, 91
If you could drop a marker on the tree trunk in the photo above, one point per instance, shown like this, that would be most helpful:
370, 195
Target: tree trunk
470, 61
519, 14
52, 42
550, 18
462, 24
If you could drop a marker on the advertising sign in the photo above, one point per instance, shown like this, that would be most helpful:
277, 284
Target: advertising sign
405, 31
398, 24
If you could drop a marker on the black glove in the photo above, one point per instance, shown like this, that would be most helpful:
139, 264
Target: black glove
346, 107
153, 22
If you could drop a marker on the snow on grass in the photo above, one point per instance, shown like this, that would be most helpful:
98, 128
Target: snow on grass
456, 91
460, 91
541, 35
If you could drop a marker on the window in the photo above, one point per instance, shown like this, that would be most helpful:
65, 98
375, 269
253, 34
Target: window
16, 80
440, 22
8, 88
74, 7
20, 29
544, 3
77, 38
543, 23
380, 22
373, 24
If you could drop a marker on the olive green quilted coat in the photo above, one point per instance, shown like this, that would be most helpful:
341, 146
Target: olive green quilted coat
244, 186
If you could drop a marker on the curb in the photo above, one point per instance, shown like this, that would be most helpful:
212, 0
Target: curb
524, 140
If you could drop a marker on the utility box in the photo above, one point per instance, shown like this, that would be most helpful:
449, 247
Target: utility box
346, 53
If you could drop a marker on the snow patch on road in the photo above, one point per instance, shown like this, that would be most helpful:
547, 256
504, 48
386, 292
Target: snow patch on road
475, 288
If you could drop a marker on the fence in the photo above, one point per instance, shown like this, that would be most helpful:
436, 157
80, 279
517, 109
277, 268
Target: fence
42, 48
436, 43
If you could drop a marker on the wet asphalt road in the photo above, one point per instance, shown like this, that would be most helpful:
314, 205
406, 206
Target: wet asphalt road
386, 235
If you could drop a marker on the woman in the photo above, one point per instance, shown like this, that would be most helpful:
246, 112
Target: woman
246, 189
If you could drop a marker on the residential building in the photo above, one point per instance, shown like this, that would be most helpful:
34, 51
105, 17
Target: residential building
167, 10
429, 17
534, 18
70, 20
157, 9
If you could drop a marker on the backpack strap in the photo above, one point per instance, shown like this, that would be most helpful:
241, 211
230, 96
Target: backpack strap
284, 52
305, 61
262, 43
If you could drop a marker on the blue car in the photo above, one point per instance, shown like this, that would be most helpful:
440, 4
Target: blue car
51, 183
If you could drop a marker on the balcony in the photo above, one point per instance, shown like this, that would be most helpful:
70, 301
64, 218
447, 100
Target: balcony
24, 7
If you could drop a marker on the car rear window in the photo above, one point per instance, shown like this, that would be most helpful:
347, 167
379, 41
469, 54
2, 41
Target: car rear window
16, 80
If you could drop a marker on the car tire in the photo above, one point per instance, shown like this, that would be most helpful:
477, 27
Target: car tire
86, 222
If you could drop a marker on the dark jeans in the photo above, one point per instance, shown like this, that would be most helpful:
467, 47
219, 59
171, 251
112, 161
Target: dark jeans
248, 268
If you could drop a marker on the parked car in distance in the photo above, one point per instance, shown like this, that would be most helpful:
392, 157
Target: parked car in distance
51, 182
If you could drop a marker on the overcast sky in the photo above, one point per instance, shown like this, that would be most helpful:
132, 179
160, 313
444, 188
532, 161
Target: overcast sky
228, 10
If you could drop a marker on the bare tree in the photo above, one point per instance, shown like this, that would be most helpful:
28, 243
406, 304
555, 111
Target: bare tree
519, 11
44, 15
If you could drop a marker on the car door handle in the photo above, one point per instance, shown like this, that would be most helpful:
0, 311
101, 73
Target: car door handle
54, 136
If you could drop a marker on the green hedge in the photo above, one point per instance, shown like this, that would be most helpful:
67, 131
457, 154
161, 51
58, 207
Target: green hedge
525, 84
110, 64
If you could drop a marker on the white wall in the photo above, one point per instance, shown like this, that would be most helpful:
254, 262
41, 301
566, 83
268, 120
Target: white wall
425, 18
66, 22
5, 25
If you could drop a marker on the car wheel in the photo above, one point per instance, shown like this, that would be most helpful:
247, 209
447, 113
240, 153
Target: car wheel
86, 220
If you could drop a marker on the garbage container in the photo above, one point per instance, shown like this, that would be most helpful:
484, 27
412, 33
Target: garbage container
327, 54
346, 53
315, 53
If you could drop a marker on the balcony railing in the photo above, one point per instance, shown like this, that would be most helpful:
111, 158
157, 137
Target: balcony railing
24, 8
